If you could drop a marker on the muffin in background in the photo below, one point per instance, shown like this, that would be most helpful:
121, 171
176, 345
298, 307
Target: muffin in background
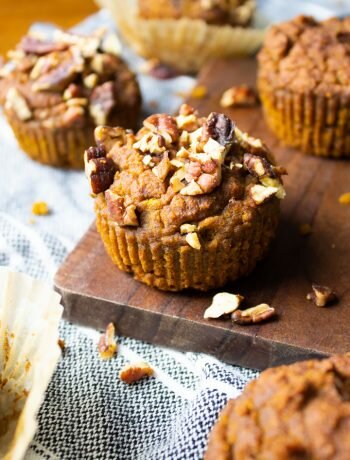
187, 33
186, 202
232, 12
56, 91
301, 411
304, 84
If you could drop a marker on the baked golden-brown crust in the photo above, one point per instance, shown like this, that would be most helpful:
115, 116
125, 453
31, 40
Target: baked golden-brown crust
301, 411
55, 92
303, 80
187, 201
233, 12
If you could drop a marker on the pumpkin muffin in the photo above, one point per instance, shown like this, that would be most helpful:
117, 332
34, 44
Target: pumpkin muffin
232, 12
187, 33
301, 411
304, 84
56, 91
186, 202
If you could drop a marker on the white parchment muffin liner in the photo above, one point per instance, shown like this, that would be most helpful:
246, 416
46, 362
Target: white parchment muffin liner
29, 316
183, 43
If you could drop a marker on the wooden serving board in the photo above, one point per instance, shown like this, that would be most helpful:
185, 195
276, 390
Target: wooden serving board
95, 292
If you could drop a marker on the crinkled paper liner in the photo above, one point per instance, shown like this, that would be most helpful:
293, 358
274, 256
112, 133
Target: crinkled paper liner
183, 43
29, 316
62, 147
170, 264
314, 123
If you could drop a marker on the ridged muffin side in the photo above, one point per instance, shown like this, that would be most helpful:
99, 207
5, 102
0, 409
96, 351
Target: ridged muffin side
179, 209
303, 82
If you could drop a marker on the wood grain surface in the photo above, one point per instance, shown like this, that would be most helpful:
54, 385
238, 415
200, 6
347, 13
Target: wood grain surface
95, 292
17, 16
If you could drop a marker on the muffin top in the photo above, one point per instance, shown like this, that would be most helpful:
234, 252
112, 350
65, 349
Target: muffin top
306, 56
292, 412
67, 79
233, 12
182, 170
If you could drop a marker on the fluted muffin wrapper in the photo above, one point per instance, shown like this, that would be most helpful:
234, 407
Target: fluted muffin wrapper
59, 146
316, 124
184, 43
29, 316
170, 264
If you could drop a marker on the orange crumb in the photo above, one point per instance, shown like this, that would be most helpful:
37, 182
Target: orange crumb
40, 208
61, 344
134, 372
107, 345
199, 92
344, 198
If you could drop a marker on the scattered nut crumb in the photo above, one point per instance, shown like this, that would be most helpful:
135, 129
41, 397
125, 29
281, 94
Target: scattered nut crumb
193, 240
305, 229
199, 92
40, 208
239, 96
187, 228
107, 345
322, 295
344, 198
134, 372
252, 315
61, 344
31, 221
156, 69
223, 304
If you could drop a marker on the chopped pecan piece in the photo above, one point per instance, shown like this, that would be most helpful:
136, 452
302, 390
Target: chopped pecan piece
33, 45
163, 168
90, 81
150, 142
239, 96
220, 128
73, 115
102, 101
187, 122
186, 109
187, 228
121, 214
193, 240
107, 137
72, 91
191, 189
322, 295
61, 74
107, 345
223, 303
134, 372
260, 193
16, 102
274, 183
111, 44
257, 165
61, 344
95, 152
215, 150
163, 124
252, 315
100, 172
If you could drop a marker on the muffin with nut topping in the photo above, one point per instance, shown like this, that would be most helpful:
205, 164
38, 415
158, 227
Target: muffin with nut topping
304, 84
56, 91
186, 202
301, 411
186, 34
